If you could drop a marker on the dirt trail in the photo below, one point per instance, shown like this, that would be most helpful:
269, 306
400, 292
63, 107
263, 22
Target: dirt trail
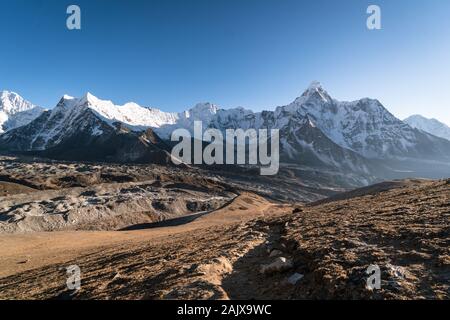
22, 252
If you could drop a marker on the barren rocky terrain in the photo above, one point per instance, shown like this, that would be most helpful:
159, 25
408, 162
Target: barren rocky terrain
48, 195
105, 206
247, 246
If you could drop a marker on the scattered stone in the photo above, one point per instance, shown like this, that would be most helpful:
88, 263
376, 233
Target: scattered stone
296, 277
400, 277
218, 267
396, 271
444, 260
279, 265
275, 253
117, 276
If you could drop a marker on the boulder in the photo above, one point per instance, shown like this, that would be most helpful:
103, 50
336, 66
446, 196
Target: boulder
279, 265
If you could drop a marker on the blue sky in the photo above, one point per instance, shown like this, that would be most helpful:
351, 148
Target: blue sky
253, 53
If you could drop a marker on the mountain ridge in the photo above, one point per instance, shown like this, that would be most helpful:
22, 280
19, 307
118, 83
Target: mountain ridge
432, 126
315, 129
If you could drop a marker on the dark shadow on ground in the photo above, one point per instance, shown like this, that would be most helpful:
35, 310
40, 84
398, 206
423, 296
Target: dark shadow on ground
175, 221
166, 223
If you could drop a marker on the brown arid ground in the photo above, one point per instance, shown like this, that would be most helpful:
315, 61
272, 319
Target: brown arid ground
252, 249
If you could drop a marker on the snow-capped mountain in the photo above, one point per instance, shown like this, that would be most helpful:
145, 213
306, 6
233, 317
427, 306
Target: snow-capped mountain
315, 130
72, 114
16, 111
432, 126
88, 128
204, 112
362, 126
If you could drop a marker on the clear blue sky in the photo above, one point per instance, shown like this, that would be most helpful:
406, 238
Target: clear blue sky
252, 53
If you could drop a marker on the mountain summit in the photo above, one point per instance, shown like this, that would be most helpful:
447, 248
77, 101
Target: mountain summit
432, 126
15, 111
314, 91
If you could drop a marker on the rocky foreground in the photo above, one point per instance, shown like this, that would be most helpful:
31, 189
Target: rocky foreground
254, 249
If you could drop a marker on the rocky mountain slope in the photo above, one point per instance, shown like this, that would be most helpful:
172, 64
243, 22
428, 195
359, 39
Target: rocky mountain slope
432, 126
83, 129
16, 111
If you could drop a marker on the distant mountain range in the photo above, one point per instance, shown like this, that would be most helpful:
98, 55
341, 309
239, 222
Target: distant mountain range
432, 126
360, 137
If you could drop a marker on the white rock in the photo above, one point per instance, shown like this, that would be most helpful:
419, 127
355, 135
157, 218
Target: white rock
279, 265
397, 271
